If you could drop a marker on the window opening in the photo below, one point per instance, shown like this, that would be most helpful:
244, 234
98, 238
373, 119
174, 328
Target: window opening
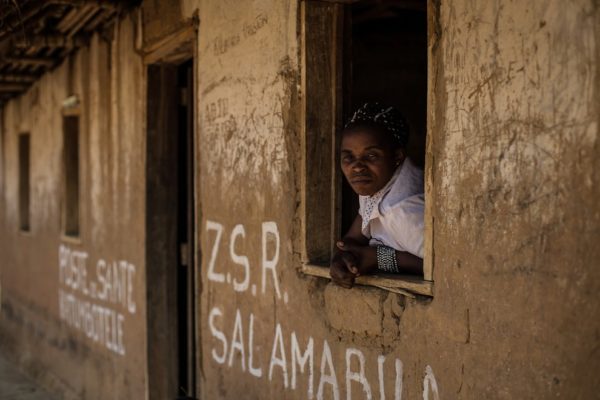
366, 51
24, 181
71, 165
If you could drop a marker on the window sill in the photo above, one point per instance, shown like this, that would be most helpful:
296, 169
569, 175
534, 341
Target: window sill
406, 285
70, 239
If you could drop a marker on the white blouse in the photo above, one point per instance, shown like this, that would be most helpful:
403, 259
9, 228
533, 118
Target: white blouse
394, 215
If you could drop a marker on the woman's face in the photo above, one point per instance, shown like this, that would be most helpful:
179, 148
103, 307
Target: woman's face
368, 160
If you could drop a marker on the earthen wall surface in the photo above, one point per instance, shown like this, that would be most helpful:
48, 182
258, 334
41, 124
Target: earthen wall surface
512, 186
73, 309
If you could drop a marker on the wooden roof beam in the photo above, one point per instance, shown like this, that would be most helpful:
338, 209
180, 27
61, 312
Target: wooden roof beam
50, 41
105, 4
37, 61
83, 19
12, 87
18, 77
9, 9
32, 16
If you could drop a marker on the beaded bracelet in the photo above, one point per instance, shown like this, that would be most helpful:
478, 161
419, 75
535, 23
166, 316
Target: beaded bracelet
386, 259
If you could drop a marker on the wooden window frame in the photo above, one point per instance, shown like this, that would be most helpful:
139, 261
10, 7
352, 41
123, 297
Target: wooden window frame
322, 26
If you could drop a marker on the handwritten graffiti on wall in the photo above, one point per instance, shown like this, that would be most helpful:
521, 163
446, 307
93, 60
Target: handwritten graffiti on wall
98, 304
290, 355
289, 358
221, 45
270, 257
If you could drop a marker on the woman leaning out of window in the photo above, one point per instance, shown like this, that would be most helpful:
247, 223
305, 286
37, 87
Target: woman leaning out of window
387, 234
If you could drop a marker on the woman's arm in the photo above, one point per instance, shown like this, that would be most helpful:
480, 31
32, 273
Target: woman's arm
354, 234
355, 257
365, 260
343, 268
409, 263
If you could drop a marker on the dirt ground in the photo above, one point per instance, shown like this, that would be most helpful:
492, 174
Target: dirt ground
16, 386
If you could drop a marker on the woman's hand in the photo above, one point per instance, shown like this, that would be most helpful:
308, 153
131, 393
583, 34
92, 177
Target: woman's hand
365, 257
353, 257
350, 261
343, 265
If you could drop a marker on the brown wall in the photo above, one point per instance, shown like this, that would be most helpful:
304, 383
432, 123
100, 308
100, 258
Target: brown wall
513, 191
73, 356
512, 187
516, 198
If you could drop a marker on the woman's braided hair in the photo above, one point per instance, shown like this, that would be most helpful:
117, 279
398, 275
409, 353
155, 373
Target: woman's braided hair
388, 119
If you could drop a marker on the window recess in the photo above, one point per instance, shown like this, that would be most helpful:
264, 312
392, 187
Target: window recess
24, 182
354, 52
71, 210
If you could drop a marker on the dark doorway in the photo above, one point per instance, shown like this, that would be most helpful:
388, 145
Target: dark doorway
170, 231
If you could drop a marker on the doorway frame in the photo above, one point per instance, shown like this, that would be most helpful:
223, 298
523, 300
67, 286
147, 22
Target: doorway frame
162, 374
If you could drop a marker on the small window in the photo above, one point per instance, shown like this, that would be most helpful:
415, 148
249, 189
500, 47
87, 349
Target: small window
24, 182
71, 175
366, 51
